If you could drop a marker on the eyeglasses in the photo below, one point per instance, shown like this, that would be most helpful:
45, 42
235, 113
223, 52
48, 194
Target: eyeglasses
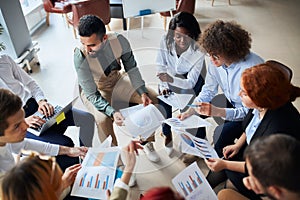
32, 154
215, 57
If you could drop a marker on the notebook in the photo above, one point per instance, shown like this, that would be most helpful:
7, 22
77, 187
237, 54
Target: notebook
57, 117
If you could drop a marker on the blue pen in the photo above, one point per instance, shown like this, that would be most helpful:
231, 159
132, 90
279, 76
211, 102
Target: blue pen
193, 105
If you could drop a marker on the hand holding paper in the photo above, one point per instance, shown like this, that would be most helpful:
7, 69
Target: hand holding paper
190, 122
142, 121
197, 146
175, 100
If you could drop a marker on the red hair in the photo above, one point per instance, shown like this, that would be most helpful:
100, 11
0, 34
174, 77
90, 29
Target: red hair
268, 87
161, 193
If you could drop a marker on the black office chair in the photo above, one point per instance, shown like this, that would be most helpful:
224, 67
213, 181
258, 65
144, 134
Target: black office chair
285, 69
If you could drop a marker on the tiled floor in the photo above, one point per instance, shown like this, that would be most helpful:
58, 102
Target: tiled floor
275, 34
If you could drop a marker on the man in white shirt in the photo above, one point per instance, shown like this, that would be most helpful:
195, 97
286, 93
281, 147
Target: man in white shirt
13, 128
12, 77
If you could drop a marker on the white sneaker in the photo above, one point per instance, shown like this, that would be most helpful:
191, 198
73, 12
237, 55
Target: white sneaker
169, 150
150, 152
132, 181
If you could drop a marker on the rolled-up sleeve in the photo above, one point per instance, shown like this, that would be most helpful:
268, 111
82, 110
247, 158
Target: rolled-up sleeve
130, 66
88, 85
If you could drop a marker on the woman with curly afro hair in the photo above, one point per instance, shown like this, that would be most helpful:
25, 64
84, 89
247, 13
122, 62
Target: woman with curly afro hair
227, 45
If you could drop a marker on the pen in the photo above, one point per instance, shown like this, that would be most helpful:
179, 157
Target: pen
193, 105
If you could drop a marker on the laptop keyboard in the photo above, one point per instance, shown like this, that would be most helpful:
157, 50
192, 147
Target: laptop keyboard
56, 110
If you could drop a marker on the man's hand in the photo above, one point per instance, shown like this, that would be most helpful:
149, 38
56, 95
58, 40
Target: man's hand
73, 151
118, 118
165, 77
34, 121
45, 108
146, 99
252, 183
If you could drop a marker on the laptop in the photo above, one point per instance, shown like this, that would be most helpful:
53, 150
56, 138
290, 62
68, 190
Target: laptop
50, 121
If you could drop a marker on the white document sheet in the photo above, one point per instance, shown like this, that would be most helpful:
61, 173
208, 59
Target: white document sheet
196, 146
97, 173
175, 100
142, 121
192, 184
193, 121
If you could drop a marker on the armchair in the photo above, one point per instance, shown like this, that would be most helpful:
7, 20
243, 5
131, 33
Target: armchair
49, 6
100, 8
181, 5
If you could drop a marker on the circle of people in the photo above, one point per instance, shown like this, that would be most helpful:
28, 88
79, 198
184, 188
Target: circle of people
257, 141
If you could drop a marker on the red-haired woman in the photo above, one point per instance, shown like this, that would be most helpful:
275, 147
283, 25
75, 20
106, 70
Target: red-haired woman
267, 91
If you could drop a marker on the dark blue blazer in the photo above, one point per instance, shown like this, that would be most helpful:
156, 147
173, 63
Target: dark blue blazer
285, 120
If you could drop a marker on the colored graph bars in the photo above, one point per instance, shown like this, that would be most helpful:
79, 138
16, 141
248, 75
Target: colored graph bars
191, 183
88, 183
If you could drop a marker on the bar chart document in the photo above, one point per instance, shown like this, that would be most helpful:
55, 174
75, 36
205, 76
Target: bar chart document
193, 121
192, 184
196, 146
97, 173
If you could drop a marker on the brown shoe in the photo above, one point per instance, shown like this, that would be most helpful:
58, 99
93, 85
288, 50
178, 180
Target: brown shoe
189, 159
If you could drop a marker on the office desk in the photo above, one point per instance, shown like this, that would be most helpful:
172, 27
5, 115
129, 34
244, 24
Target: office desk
116, 11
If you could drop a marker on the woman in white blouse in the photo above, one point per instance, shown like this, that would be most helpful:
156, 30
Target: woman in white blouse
180, 65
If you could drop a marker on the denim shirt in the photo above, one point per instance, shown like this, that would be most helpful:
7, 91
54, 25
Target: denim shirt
228, 79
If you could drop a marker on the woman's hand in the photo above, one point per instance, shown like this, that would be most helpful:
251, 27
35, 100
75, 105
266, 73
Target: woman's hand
215, 164
230, 151
188, 113
69, 176
165, 77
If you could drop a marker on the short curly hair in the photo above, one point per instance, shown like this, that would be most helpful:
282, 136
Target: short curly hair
268, 87
226, 39
91, 24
